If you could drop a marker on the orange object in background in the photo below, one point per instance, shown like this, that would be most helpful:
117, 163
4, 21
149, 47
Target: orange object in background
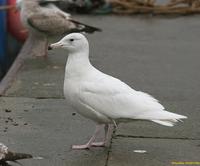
14, 25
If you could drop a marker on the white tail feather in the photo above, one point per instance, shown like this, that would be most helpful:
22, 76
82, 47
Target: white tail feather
161, 115
164, 123
170, 122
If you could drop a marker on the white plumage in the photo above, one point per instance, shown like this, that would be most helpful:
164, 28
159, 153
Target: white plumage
103, 98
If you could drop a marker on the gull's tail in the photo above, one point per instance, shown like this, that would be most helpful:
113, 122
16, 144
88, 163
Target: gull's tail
168, 118
152, 110
81, 27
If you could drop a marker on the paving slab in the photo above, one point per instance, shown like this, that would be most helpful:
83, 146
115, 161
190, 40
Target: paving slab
40, 78
47, 128
160, 152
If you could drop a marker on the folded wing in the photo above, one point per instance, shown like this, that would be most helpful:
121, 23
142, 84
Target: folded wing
116, 100
50, 23
54, 22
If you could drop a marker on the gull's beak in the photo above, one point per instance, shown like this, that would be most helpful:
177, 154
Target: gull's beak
55, 45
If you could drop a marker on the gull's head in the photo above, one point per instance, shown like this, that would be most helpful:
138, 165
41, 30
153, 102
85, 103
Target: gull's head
74, 42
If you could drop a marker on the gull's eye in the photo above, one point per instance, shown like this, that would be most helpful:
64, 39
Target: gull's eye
71, 40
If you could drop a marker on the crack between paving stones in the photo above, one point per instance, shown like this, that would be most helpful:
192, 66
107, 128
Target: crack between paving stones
132, 136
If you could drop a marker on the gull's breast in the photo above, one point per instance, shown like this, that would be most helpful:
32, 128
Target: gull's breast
72, 93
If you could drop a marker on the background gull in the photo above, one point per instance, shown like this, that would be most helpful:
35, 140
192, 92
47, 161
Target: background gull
102, 98
45, 21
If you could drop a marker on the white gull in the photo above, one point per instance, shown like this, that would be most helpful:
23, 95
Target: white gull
102, 98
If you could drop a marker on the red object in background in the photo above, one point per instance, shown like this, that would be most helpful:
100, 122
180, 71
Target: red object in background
15, 27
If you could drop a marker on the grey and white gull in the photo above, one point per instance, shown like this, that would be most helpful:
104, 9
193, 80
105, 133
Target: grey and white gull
43, 21
102, 98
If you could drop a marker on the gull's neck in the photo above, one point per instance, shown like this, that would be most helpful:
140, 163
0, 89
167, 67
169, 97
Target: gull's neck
78, 64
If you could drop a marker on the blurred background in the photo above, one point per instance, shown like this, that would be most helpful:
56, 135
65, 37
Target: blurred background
11, 37
13, 34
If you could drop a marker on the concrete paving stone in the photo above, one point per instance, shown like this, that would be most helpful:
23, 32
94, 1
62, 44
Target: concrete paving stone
40, 78
47, 128
160, 152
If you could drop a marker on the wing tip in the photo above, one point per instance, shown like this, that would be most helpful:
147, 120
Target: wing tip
86, 28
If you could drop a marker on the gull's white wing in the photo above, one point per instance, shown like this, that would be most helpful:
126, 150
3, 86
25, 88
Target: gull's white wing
114, 99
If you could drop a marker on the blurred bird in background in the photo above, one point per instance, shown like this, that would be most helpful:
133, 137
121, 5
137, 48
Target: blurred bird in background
43, 19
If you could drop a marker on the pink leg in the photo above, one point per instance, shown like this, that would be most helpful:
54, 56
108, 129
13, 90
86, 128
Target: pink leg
37, 44
89, 143
107, 129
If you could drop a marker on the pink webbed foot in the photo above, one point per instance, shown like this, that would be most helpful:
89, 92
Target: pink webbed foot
98, 144
86, 146
90, 143
81, 147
